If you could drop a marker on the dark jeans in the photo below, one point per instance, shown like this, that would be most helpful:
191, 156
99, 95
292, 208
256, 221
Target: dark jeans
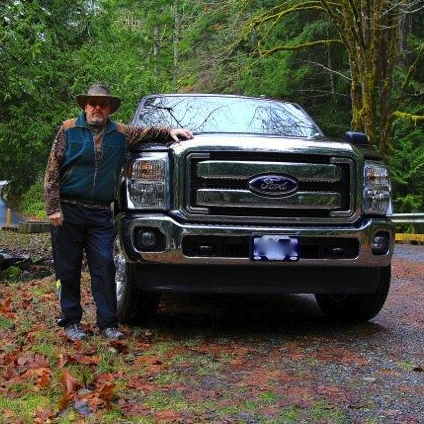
90, 230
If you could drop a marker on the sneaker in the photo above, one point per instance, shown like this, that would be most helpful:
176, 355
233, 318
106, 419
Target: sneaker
112, 333
74, 332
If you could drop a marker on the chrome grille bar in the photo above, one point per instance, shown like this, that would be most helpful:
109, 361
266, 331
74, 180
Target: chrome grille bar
246, 199
240, 170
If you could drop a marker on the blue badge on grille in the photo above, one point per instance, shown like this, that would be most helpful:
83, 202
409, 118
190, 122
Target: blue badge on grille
274, 185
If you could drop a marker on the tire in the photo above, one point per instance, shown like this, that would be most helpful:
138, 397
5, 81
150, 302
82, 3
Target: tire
356, 307
134, 306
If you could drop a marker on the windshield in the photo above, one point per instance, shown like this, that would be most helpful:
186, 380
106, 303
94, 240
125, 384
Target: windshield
210, 114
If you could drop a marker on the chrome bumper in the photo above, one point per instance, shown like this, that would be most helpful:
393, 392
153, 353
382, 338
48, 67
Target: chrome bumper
175, 231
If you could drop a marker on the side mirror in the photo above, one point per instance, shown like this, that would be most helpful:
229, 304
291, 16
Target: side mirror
357, 138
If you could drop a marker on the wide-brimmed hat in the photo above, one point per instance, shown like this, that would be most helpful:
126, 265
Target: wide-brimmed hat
99, 90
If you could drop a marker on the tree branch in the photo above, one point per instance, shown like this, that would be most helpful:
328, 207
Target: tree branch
266, 53
314, 5
413, 68
408, 116
328, 69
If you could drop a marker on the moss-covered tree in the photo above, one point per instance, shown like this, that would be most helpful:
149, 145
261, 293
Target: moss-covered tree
369, 31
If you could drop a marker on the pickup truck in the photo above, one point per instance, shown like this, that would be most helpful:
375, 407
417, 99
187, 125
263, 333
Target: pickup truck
259, 201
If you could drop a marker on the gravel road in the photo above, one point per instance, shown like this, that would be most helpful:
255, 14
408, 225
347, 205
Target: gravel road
369, 373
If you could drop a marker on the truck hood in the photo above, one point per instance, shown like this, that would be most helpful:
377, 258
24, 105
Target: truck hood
259, 143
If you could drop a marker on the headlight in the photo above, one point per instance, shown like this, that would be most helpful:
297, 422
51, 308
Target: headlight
377, 189
148, 186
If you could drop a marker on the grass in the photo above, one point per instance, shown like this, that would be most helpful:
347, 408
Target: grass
268, 397
162, 347
5, 323
25, 406
322, 411
406, 365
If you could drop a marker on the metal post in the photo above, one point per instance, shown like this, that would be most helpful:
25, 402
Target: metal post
8, 218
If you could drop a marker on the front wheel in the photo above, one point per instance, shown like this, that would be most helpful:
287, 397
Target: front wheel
133, 304
356, 307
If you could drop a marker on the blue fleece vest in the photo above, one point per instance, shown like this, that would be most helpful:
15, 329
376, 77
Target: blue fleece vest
80, 179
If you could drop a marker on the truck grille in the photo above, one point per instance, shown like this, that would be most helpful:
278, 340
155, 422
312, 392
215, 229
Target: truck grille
218, 185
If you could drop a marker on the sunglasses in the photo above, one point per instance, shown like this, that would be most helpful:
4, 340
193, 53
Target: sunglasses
102, 103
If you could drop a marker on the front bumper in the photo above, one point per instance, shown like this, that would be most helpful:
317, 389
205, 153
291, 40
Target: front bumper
175, 232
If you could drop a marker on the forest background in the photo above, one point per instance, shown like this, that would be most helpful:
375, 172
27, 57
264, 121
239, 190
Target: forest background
351, 64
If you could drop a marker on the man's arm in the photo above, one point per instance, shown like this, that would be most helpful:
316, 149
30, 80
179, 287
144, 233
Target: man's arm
52, 179
137, 135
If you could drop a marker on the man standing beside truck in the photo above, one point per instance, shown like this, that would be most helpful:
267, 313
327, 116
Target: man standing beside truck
84, 163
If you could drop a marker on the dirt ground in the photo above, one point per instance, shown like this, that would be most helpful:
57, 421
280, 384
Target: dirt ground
218, 359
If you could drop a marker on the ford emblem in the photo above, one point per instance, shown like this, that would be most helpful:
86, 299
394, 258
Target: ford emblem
274, 185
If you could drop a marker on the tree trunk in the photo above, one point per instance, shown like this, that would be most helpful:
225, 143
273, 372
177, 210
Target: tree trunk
369, 30
177, 30
156, 46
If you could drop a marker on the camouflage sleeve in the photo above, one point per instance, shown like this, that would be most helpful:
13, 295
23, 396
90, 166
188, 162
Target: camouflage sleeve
137, 135
52, 177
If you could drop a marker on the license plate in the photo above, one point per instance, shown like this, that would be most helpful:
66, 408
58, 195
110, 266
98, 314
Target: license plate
275, 248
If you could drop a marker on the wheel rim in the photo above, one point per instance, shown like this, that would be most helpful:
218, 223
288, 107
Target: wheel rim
120, 274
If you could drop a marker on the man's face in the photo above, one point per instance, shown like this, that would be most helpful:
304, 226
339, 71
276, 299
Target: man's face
97, 110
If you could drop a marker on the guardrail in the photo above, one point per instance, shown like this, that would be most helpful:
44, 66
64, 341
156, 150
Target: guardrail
407, 218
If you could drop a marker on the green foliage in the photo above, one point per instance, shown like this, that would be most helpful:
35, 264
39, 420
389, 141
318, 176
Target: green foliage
32, 201
35, 63
51, 51
10, 274
407, 168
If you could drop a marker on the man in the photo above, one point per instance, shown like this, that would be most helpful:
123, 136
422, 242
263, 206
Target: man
84, 164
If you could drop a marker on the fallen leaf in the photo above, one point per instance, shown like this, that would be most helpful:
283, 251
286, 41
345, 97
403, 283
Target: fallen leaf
36, 361
22, 361
43, 416
106, 392
89, 360
42, 375
44, 380
151, 360
168, 417
70, 385
5, 308
140, 385
120, 346
8, 413
107, 376
11, 357
64, 359
133, 409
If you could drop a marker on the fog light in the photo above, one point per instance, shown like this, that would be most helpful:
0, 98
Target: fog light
380, 244
148, 239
